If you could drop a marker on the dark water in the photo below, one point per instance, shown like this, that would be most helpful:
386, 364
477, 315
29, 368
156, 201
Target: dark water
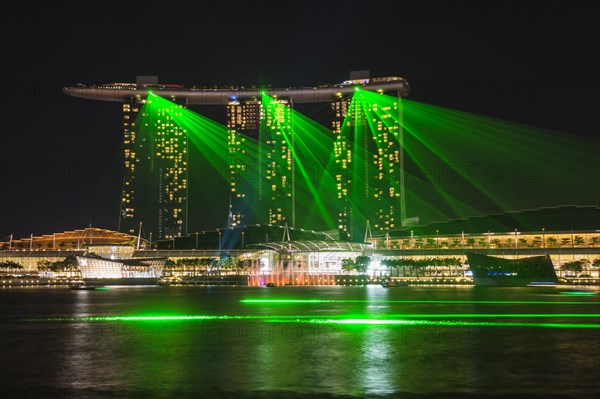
294, 357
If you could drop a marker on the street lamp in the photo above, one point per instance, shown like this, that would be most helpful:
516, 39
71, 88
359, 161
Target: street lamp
243, 239
543, 237
196, 240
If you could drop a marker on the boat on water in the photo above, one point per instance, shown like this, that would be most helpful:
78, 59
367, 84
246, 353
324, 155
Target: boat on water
116, 265
494, 271
84, 287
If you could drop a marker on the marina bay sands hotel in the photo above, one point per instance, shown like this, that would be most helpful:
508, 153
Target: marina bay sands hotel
162, 157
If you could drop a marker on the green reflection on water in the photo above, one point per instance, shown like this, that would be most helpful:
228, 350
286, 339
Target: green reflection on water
384, 319
578, 293
313, 301
159, 318
492, 315
367, 322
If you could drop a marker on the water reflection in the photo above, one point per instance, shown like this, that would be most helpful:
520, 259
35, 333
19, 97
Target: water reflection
77, 356
376, 348
244, 357
376, 376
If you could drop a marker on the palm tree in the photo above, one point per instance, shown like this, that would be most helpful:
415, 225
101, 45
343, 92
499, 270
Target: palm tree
362, 263
536, 242
400, 262
455, 243
565, 242
170, 264
404, 263
574, 266
11, 265
416, 266
348, 265
44, 265
407, 264
387, 263
585, 264
422, 265
229, 263
596, 264
452, 262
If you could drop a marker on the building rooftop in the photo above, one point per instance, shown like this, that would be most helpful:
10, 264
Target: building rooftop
70, 240
122, 92
243, 236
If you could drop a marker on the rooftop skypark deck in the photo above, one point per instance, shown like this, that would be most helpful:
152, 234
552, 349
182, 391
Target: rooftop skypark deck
122, 92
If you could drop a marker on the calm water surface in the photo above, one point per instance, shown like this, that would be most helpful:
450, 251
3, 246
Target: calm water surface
291, 349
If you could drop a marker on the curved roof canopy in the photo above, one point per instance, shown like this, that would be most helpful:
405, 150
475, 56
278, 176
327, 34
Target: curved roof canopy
314, 246
71, 240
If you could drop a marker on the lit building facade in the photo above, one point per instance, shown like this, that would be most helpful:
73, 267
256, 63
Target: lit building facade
260, 192
130, 159
155, 181
243, 127
367, 175
277, 185
384, 187
342, 149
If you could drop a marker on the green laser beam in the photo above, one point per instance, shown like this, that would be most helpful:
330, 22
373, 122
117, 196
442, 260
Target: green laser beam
354, 170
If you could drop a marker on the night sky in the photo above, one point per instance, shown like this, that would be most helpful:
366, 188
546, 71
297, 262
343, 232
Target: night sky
530, 62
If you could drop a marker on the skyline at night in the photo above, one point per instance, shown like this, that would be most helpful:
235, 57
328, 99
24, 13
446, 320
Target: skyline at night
73, 152
268, 153
300, 199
